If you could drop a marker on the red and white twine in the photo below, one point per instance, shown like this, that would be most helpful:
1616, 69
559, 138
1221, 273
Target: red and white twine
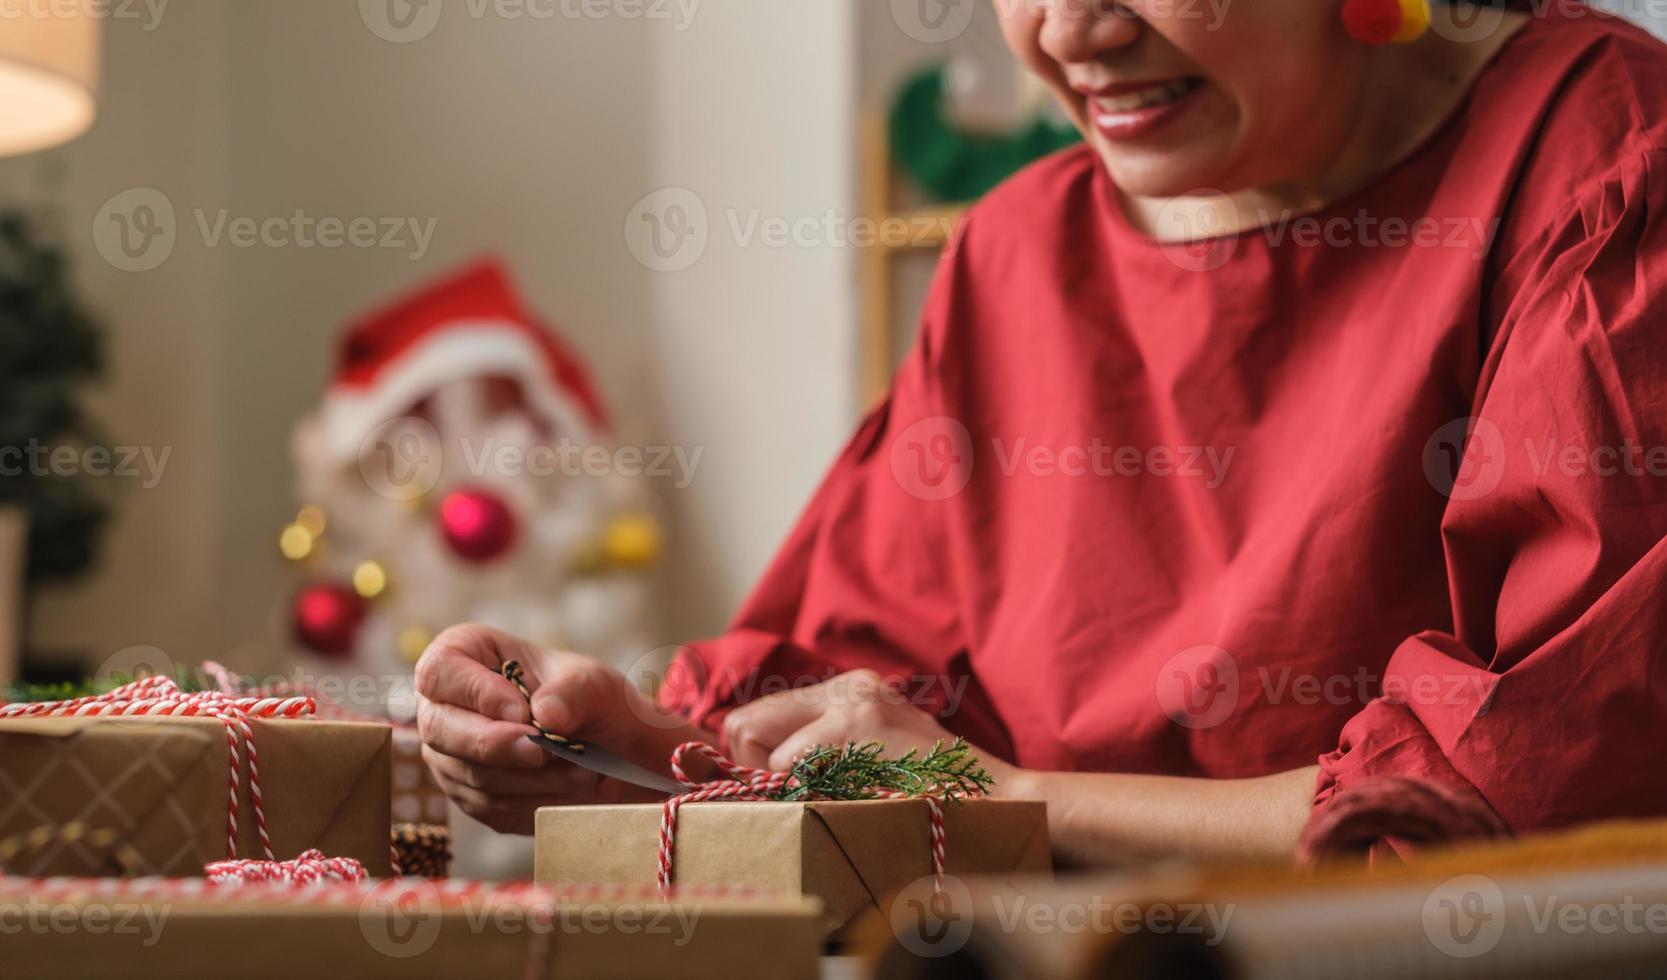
158, 695
308, 868
744, 783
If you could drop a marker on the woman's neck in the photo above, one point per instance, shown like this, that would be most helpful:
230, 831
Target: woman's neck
1409, 94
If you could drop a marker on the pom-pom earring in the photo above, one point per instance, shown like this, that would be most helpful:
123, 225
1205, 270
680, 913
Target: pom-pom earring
1386, 21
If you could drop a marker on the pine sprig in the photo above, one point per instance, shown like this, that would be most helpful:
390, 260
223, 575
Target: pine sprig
861, 772
188, 679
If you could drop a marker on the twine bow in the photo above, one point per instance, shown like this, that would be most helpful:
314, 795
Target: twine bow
158, 695
744, 783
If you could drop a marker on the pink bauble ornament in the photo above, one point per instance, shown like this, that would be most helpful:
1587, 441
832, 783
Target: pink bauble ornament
326, 618
477, 524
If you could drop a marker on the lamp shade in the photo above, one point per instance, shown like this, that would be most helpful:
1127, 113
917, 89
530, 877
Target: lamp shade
48, 75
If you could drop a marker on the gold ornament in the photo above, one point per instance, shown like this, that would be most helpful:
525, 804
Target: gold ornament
312, 520
370, 579
413, 640
297, 543
632, 541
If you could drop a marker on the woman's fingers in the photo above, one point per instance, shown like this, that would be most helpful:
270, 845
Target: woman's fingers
461, 667
462, 734
496, 781
575, 695
832, 728
755, 730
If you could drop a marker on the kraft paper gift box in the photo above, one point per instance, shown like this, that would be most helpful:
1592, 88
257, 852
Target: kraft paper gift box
161, 784
853, 856
398, 929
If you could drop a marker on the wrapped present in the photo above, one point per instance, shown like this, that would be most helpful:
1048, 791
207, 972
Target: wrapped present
1590, 902
398, 929
187, 779
854, 855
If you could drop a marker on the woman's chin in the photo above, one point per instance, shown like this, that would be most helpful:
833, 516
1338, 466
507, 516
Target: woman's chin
1165, 175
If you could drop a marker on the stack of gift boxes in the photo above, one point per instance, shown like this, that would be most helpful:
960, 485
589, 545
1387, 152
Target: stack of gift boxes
101, 812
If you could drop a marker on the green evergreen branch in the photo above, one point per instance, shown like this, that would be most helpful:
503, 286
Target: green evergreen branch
861, 772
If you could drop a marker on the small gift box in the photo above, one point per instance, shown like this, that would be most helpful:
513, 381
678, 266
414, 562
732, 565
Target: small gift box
853, 855
398, 929
161, 785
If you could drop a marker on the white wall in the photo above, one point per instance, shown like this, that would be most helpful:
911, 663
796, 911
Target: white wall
531, 137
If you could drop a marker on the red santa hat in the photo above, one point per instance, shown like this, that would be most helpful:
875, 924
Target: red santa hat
466, 325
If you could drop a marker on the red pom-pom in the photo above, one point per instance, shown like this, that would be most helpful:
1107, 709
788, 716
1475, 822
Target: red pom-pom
478, 525
1373, 21
326, 618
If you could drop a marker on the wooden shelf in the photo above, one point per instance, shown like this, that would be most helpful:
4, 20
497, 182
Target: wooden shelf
898, 232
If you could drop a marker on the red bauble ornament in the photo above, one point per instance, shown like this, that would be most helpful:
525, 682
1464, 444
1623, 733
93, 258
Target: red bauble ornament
477, 524
326, 618
1373, 21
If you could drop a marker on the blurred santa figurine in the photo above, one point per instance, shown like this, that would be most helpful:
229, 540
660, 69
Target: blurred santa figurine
460, 469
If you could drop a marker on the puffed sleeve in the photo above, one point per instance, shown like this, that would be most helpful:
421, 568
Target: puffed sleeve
1548, 698
864, 578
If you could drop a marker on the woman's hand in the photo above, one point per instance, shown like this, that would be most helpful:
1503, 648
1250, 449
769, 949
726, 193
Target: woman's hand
773, 731
474, 725
1095, 819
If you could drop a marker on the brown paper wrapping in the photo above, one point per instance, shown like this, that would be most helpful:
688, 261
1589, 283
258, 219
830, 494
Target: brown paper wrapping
699, 939
161, 784
1277, 921
853, 856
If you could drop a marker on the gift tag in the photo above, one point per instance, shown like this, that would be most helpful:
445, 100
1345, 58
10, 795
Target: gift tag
602, 761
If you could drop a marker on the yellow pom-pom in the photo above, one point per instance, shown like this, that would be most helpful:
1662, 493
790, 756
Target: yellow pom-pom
632, 541
1415, 20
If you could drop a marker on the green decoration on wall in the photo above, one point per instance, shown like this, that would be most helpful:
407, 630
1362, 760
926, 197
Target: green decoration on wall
956, 166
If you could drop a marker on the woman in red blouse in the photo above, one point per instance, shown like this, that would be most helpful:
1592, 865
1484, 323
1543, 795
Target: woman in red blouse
1308, 424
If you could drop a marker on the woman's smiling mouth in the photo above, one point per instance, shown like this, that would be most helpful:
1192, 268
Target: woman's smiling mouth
1127, 112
